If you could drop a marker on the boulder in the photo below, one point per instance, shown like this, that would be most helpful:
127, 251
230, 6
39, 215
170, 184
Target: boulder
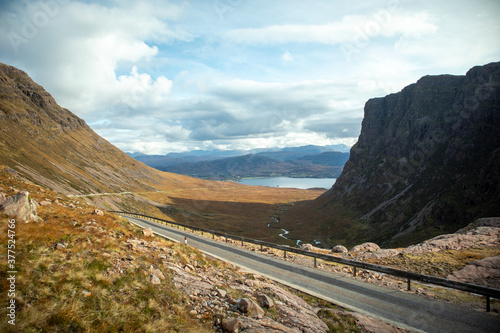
221, 293
339, 249
19, 207
265, 301
147, 232
365, 247
98, 212
309, 247
154, 279
250, 307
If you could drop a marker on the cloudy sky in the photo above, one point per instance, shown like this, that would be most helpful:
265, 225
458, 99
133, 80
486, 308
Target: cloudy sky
157, 76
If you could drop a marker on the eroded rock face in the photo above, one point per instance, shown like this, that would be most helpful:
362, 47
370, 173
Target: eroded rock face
484, 272
19, 207
427, 156
478, 236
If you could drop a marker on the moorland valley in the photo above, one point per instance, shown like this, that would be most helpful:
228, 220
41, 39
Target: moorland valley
427, 163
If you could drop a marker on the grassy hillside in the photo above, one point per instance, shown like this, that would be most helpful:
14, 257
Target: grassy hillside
53, 147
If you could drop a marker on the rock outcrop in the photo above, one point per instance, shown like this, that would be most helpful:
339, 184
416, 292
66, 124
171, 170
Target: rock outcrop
482, 233
484, 272
473, 236
19, 207
427, 162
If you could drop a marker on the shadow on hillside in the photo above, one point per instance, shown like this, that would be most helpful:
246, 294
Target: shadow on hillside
247, 219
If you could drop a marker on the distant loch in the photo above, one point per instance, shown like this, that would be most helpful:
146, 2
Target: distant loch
301, 183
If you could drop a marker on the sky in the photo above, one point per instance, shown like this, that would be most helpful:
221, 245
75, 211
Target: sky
171, 76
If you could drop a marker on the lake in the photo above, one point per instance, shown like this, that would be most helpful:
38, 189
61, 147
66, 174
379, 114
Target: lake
302, 183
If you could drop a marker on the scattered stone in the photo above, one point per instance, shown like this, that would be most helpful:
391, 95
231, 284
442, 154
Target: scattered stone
265, 301
158, 273
221, 293
250, 307
45, 203
60, 246
147, 232
98, 212
154, 279
86, 293
189, 268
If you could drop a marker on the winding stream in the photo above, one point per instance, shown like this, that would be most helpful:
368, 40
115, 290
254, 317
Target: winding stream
277, 220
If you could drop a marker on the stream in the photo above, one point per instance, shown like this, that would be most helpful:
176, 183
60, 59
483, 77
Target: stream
276, 219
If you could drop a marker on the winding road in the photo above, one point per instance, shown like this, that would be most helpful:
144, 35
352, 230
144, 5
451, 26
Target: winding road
409, 311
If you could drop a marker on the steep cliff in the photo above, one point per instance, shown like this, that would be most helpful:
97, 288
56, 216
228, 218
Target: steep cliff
53, 147
427, 162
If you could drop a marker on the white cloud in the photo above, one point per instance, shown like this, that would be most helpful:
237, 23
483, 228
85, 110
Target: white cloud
347, 30
154, 76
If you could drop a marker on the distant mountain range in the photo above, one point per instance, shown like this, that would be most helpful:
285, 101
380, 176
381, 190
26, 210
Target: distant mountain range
305, 161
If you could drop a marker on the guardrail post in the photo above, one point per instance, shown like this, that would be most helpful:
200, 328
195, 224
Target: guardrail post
488, 305
284, 254
354, 271
408, 282
315, 264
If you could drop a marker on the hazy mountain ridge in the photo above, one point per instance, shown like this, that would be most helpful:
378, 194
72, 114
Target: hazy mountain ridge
305, 161
194, 156
253, 166
427, 162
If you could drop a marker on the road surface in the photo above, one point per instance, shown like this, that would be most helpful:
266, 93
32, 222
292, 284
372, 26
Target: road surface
409, 311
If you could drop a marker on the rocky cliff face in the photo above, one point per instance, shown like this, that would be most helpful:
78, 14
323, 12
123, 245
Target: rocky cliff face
51, 146
427, 161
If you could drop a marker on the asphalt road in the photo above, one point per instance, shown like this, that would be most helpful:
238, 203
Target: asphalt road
409, 311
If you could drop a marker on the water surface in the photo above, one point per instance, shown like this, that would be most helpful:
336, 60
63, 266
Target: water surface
302, 183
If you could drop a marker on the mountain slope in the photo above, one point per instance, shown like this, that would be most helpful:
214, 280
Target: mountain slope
427, 162
53, 147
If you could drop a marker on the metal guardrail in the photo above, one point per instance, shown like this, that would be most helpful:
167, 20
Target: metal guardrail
409, 276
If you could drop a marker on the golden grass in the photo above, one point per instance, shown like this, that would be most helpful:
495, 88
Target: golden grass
439, 264
228, 207
70, 289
